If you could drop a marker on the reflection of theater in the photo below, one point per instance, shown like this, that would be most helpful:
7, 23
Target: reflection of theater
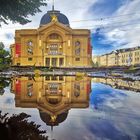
54, 96
120, 83
53, 44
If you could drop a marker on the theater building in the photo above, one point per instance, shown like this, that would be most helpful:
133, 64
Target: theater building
53, 44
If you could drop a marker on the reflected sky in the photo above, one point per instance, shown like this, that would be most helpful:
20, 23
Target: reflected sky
99, 112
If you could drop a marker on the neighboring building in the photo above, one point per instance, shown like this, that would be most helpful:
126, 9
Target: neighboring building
112, 59
103, 60
53, 96
122, 57
53, 44
129, 56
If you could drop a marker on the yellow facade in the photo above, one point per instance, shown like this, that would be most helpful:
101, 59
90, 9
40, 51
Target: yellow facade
103, 60
52, 95
123, 57
131, 57
52, 45
112, 59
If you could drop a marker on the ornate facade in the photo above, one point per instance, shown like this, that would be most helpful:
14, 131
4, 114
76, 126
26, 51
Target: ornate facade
53, 44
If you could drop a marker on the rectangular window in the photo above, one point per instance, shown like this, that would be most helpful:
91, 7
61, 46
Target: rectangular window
18, 64
53, 49
30, 59
29, 78
61, 78
77, 59
54, 78
47, 78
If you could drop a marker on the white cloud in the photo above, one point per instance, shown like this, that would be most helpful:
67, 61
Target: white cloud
73, 9
115, 30
125, 30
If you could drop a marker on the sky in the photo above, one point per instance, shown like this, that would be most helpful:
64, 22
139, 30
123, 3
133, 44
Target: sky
114, 24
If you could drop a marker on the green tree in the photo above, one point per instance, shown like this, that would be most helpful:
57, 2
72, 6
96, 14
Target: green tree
96, 64
3, 83
4, 56
18, 11
18, 127
1, 46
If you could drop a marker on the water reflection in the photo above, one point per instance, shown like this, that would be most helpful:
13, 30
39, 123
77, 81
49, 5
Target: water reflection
3, 83
127, 84
73, 110
54, 96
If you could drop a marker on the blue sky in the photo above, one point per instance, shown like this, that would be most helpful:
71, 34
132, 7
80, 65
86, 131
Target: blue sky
114, 24
99, 47
106, 7
107, 10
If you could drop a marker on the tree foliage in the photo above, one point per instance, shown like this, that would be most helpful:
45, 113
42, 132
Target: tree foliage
4, 56
3, 83
17, 127
19, 10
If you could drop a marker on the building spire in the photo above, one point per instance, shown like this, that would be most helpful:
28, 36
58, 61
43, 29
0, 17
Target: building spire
52, 133
53, 5
51, 128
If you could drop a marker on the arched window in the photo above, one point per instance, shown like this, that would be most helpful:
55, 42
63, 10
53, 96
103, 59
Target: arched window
77, 89
30, 47
77, 48
77, 43
29, 89
54, 36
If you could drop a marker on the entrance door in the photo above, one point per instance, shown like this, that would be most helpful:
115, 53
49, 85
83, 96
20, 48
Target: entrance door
48, 62
61, 62
54, 62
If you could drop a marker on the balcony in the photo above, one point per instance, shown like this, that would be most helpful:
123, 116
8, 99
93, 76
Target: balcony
54, 53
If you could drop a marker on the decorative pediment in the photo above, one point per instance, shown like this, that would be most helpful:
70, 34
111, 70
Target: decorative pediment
54, 26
